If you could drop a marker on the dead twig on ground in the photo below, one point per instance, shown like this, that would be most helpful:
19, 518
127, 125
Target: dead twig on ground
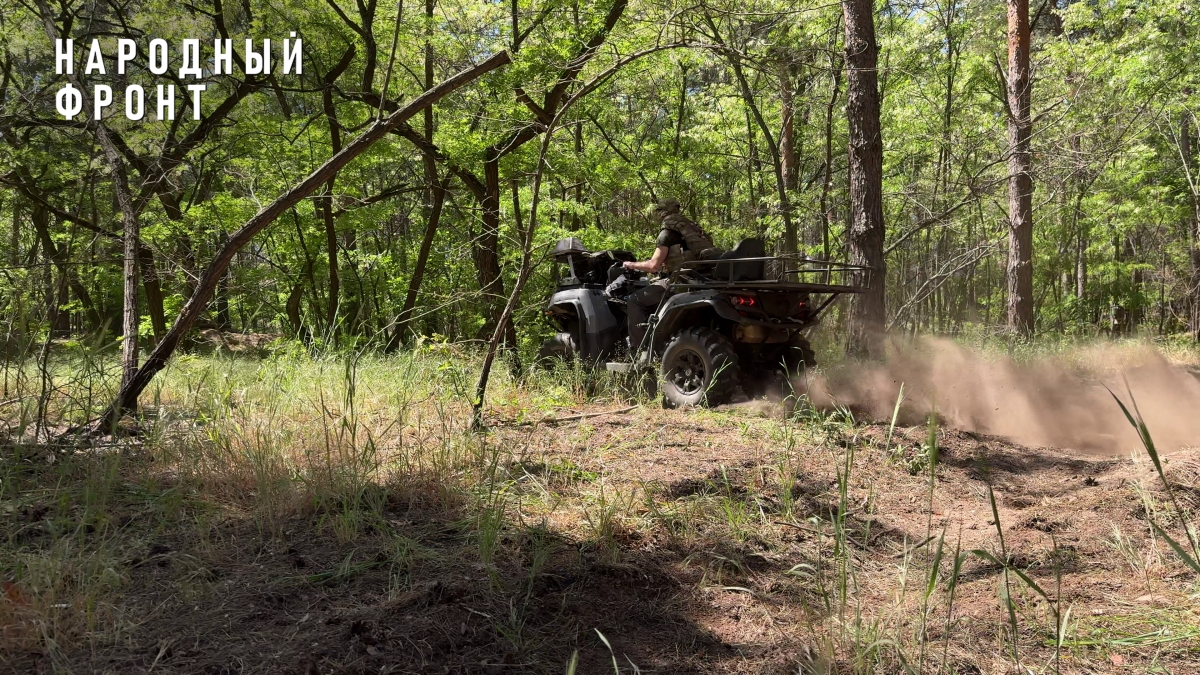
569, 418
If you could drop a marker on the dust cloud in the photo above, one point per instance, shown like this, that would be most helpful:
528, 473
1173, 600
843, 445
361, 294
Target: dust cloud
1056, 401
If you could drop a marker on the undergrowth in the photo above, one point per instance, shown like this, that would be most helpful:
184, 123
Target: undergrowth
373, 455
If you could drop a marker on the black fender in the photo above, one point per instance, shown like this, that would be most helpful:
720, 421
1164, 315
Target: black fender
673, 312
596, 328
676, 310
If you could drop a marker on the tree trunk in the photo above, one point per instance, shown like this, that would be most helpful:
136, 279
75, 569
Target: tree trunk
683, 87
292, 309
787, 132
866, 232
487, 250
519, 285
195, 306
1193, 222
326, 200
1194, 231
487, 244
152, 285
418, 273
1134, 253
331, 310
1081, 273
129, 312
435, 198
129, 220
1020, 173
753, 168
14, 250
41, 221
827, 215
576, 223
331, 247
60, 258
1079, 225
224, 323
187, 255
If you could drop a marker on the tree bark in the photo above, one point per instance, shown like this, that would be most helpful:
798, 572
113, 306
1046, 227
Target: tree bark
1078, 224
224, 322
1193, 222
335, 285
1134, 253
1194, 231
787, 132
487, 247
292, 309
1020, 173
1081, 271
152, 286
56, 290
129, 311
195, 306
827, 215
418, 273
435, 199
130, 226
14, 249
682, 108
326, 201
486, 243
866, 233
60, 257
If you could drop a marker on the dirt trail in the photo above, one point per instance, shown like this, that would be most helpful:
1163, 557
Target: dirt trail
1078, 512
1051, 401
698, 583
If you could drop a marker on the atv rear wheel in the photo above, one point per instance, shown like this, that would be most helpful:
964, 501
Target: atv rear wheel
560, 348
699, 366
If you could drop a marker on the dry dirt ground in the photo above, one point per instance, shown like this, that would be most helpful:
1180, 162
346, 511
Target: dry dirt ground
690, 541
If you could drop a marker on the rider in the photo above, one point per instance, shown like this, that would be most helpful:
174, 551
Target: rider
680, 240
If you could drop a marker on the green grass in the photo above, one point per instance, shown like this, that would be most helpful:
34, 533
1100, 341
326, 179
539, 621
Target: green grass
374, 457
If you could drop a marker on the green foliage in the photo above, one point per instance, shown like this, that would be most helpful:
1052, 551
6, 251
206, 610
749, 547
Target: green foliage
1112, 88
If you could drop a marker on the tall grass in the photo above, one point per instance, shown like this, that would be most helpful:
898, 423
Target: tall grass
1190, 555
348, 441
331, 439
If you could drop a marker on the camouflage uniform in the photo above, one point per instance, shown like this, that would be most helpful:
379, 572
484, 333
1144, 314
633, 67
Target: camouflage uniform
693, 244
697, 244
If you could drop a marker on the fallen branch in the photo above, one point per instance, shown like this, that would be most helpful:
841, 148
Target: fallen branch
570, 418
126, 399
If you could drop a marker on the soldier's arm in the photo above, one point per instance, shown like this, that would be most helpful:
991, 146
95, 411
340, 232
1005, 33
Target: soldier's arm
651, 265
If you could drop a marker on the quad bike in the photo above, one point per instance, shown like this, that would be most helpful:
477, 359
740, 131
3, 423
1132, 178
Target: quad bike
738, 320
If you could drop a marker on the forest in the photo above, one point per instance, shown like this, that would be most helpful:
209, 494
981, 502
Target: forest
740, 113
251, 300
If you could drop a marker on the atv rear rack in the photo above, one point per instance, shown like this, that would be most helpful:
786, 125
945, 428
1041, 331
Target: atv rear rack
797, 286
812, 276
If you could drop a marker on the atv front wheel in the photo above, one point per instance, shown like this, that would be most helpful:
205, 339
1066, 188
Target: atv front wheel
560, 348
699, 366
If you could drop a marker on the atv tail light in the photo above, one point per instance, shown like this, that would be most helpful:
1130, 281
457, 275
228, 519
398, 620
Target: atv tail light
741, 301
